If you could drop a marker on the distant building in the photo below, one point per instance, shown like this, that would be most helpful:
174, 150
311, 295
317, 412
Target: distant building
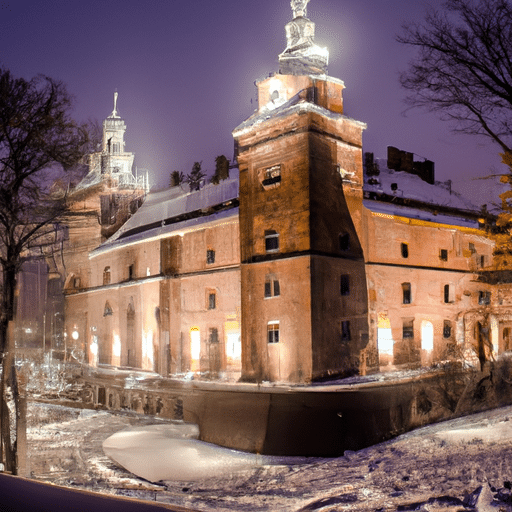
309, 264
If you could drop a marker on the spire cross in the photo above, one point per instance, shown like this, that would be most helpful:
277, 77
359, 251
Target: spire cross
114, 112
299, 7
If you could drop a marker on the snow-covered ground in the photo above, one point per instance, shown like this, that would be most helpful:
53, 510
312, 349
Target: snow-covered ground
438, 467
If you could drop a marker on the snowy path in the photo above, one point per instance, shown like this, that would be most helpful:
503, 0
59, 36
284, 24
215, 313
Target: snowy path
448, 459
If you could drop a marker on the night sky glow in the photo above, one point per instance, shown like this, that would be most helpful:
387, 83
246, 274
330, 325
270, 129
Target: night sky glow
185, 73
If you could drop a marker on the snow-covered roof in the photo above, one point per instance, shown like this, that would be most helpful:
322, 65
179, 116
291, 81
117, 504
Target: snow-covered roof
413, 187
174, 210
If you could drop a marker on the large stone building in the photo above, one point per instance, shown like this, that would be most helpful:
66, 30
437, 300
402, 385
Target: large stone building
308, 264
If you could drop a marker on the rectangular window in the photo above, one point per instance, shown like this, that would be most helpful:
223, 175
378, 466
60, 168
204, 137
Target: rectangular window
271, 241
345, 330
344, 242
210, 256
272, 175
406, 293
213, 335
272, 288
447, 329
447, 293
472, 249
484, 298
211, 300
443, 255
345, 284
131, 272
405, 250
482, 261
273, 332
408, 329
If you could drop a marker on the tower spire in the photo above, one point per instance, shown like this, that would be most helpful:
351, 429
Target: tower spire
114, 112
299, 8
302, 56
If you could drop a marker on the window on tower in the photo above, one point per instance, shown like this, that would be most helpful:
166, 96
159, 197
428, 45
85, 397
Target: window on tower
270, 177
271, 241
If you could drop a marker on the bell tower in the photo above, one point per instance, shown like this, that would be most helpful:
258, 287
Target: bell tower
304, 300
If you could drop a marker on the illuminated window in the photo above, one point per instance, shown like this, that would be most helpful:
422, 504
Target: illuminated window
212, 300
272, 288
405, 250
106, 275
408, 329
447, 329
406, 293
344, 242
345, 330
443, 255
210, 256
484, 298
345, 284
273, 332
271, 241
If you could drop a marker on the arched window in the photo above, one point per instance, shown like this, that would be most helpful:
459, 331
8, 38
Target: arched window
107, 310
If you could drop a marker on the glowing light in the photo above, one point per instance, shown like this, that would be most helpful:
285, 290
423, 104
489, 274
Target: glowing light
147, 350
385, 341
116, 348
494, 334
233, 346
75, 335
427, 336
93, 349
195, 347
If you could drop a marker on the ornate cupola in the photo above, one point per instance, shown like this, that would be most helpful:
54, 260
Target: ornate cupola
114, 129
302, 56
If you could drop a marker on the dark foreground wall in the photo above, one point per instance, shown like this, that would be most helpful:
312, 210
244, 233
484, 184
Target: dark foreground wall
309, 420
21, 495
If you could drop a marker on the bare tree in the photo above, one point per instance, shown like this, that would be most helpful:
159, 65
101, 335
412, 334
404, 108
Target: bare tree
463, 68
38, 140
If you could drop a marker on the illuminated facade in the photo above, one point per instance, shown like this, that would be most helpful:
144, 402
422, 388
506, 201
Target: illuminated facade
308, 265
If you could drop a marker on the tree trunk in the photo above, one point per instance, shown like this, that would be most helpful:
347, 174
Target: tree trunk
8, 383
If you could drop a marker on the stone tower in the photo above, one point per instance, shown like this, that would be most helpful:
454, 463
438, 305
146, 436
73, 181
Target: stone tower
304, 299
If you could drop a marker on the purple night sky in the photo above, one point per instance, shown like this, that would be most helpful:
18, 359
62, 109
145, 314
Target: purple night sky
185, 73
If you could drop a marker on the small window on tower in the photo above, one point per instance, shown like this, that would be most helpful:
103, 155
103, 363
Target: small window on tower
271, 176
443, 255
405, 250
210, 256
271, 241
272, 288
484, 298
344, 242
345, 284
345, 330
273, 332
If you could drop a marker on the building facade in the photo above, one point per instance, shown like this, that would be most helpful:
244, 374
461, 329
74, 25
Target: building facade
311, 263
